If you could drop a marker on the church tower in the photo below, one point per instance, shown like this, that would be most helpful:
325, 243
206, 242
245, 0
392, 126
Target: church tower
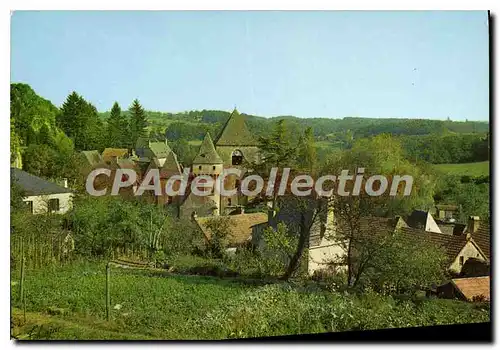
237, 147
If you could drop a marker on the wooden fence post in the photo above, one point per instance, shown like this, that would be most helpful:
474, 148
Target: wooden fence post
23, 267
108, 301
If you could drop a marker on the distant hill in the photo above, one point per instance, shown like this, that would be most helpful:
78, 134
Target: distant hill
193, 125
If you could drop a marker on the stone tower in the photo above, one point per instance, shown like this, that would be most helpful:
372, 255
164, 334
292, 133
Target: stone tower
208, 162
237, 147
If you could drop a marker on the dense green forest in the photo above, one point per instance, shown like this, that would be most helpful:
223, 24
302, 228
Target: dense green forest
78, 126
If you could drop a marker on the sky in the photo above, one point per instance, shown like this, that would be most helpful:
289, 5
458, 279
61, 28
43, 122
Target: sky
308, 64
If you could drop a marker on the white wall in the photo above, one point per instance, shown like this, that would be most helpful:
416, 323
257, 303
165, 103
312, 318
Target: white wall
40, 203
431, 225
468, 251
320, 256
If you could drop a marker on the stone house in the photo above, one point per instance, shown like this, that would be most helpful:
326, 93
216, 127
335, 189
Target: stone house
146, 150
42, 196
473, 242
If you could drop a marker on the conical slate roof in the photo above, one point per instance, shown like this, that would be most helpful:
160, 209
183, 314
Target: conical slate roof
171, 165
235, 132
207, 153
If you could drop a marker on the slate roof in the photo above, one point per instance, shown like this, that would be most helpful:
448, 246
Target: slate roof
241, 226
34, 185
417, 219
207, 153
473, 286
93, 157
126, 164
159, 149
171, 166
447, 228
482, 237
114, 152
452, 244
235, 132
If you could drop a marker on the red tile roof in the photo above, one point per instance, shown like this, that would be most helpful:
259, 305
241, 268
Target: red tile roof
241, 226
473, 287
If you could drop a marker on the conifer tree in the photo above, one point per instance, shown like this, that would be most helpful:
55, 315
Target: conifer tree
80, 121
117, 130
276, 149
137, 123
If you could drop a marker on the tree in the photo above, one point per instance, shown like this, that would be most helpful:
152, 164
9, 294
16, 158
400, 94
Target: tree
405, 264
184, 151
80, 121
306, 155
278, 250
379, 155
117, 128
137, 122
17, 195
276, 150
40, 160
220, 231
310, 213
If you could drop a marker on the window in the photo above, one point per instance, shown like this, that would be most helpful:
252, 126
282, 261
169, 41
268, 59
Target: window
236, 157
53, 205
461, 261
29, 205
199, 167
229, 201
213, 168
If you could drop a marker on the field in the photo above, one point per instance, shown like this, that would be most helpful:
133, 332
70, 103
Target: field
470, 169
195, 142
69, 303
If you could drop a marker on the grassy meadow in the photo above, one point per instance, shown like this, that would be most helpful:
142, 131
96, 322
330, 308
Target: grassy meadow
69, 303
465, 169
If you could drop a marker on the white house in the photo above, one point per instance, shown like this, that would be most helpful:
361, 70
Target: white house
42, 196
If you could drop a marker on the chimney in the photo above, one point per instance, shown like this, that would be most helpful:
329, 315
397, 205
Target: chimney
473, 224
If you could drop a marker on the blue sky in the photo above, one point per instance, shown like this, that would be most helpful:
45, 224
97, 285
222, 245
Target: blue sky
308, 64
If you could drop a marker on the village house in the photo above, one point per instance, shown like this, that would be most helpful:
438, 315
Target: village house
473, 242
147, 150
325, 249
170, 167
42, 196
